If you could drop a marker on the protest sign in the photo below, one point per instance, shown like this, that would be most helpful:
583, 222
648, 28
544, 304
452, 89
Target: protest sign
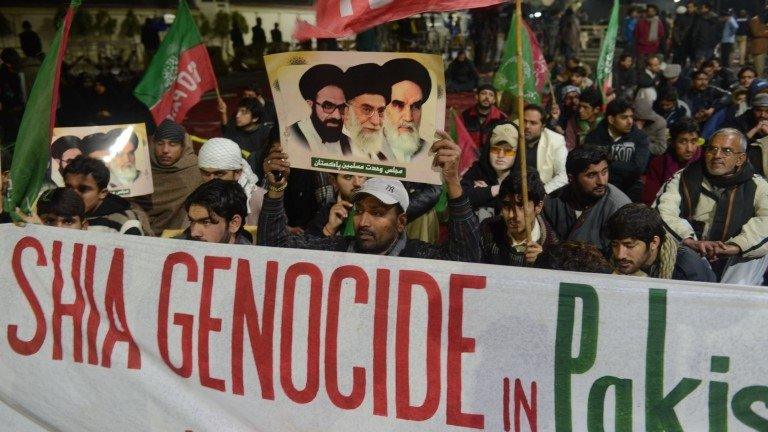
124, 148
98, 334
373, 114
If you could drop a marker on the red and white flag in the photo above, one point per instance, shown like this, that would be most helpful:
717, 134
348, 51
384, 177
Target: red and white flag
341, 18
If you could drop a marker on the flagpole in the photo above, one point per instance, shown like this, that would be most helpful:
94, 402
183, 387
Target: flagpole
521, 146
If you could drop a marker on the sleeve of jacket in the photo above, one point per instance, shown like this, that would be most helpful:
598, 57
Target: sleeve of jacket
753, 238
668, 205
477, 196
423, 198
463, 232
559, 155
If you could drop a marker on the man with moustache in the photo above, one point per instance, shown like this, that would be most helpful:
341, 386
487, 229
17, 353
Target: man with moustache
718, 206
321, 133
410, 88
641, 247
367, 98
578, 211
478, 117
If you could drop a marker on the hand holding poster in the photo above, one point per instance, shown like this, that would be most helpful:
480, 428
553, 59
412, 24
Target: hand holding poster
123, 148
374, 114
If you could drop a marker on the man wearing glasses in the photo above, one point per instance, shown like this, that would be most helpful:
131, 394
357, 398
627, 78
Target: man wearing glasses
321, 133
718, 207
367, 98
410, 88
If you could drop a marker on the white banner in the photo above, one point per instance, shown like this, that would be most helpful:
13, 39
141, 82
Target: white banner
122, 333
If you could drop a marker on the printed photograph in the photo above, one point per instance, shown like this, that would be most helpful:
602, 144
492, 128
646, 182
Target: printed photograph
123, 148
369, 113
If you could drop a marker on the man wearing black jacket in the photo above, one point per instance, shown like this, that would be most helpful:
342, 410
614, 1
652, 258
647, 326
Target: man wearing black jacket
626, 144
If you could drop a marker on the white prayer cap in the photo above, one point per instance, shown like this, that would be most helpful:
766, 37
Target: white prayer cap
220, 154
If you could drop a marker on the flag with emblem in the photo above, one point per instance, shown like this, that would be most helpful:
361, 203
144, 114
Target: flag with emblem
180, 72
604, 76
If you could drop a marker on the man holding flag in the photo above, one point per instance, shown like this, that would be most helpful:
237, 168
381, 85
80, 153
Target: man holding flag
180, 72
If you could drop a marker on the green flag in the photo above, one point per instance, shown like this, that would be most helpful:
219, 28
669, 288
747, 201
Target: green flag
505, 78
32, 152
607, 50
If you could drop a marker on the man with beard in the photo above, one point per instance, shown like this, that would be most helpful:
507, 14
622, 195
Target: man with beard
702, 98
754, 122
367, 98
380, 219
565, 116
545, 149
321, 133
175, 174
122, 162
718, 206
64, 149
216, 212
410, 88
479, 117
640, 247
578, 210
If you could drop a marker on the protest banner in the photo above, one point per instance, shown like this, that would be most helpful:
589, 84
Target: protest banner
123, 147
373, 114
98, 334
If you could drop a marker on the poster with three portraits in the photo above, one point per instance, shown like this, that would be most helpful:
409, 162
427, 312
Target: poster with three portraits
123, 148
372, 114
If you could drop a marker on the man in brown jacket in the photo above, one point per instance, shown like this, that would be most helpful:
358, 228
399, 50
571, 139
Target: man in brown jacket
758, 41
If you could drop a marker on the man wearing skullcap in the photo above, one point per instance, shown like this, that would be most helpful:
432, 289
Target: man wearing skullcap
321, 133
221, 158
367, 98
175, 175
410, 88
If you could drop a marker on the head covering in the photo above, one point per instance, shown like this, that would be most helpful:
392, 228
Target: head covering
757, 86
486, 87
98, 141
671, 71
643, 110
62, 144
385, 190
570, 89
506, 132
760, 100
317, 77
365, 79
170, 130
225, 154
406, 69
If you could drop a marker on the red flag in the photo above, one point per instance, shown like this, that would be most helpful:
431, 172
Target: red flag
539, 62
341, 18
469, 151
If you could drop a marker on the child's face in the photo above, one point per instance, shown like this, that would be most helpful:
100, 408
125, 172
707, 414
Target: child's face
58, 221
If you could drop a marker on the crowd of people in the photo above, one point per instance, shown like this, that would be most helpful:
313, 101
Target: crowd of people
662, 176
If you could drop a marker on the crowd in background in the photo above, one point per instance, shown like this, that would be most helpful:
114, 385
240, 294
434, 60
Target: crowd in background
662, 175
